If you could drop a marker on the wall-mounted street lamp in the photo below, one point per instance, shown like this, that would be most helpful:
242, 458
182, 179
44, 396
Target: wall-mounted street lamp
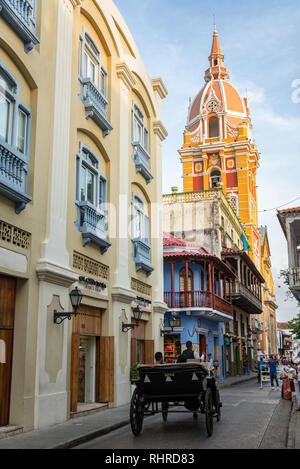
172, 324
75, 298
137, 314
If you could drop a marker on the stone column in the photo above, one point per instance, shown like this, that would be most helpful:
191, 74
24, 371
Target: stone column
159, 307
122, 294
53, 268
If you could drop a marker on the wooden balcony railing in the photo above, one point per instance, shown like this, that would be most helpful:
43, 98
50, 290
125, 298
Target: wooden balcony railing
197, 299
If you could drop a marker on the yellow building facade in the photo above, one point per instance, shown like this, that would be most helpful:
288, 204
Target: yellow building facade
268, 339
218, 149
80, 171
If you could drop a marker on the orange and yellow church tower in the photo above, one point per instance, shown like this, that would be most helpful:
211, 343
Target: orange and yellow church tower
218, 149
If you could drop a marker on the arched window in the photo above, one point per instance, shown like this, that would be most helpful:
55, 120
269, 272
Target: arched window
213, 127
91, 67
215, 178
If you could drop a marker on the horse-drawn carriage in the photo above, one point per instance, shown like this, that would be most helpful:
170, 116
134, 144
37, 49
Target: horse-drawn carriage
165, 388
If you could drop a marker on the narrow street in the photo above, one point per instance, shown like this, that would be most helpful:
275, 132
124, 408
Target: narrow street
251, 418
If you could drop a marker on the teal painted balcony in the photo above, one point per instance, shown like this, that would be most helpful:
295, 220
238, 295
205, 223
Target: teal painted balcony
92, 223
141, 159
21, 16
96, 105
141, 256
13, 176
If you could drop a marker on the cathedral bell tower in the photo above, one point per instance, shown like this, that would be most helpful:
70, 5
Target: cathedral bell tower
218, 151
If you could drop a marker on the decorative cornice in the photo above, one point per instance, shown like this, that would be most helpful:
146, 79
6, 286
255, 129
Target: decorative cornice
123, 295
125, 74
160, 130
159, 86
56, 274
160, 307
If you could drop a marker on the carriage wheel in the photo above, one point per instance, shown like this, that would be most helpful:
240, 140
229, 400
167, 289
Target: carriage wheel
165, 409
136, 414
209, 412
217, 405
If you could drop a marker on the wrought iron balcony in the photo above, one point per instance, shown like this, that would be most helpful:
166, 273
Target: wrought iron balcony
20, 15
294, 282
141, 159
96, 105
243, 297
13, 176
93, 225
141, 256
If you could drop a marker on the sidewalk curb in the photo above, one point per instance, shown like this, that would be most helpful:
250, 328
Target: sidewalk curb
290, 444
91, 436
223, 384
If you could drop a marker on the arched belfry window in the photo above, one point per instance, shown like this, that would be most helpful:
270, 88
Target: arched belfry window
215, 178
213, 127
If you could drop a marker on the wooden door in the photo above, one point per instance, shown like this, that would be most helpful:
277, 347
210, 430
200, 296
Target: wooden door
7, 315
6, 343
202, 345
74, 371
105, 369
149, 351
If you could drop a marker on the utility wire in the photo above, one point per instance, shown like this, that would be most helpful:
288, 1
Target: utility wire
276, 208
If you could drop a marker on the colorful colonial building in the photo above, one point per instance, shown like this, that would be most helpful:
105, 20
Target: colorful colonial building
198, 295
80, 157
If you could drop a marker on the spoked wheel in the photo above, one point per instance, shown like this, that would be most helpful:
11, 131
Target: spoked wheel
165, 410
217, 405
136, 414
209, 412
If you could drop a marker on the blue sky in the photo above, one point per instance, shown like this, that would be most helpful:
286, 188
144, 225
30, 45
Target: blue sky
260, 41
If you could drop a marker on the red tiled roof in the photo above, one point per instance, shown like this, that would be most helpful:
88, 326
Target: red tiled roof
282, 325
247, 259
171, 240
289, 210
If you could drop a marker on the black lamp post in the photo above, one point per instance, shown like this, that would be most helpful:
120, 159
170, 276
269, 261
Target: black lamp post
172, 324
75, 298
137, 314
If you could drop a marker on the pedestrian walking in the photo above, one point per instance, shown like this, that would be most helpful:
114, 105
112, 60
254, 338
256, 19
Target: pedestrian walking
273, 372
245, 365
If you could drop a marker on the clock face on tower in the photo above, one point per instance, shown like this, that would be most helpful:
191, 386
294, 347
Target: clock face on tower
212, 106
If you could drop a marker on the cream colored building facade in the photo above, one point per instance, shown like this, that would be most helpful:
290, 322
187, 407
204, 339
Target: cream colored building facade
80, 152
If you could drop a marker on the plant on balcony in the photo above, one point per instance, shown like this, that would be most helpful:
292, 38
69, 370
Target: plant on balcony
134, 373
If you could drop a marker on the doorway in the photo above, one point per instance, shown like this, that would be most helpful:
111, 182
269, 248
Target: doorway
7, 315
87, 370
202, 342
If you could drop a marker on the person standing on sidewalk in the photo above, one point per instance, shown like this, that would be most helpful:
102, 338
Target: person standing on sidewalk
273, 372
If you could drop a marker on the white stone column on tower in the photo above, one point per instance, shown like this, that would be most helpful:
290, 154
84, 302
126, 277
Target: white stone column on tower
53, 269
